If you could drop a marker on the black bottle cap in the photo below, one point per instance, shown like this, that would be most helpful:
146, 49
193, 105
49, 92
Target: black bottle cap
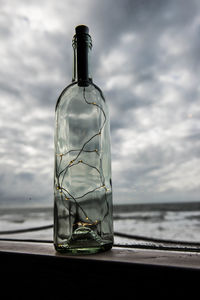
82, 29
83, 43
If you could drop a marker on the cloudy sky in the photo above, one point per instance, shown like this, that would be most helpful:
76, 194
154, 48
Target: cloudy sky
146, 59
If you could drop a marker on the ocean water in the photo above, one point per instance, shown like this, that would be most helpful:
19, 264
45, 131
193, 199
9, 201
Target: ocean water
162, 224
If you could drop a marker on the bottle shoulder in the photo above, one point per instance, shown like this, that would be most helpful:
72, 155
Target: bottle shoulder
73, 90
99, 90
68, 87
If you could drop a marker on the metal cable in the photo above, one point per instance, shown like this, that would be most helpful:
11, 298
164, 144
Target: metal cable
154, 243
130, 246
26, 230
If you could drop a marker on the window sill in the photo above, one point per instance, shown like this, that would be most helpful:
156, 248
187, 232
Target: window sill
37, 264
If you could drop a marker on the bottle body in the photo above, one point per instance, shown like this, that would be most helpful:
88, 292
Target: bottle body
82, 175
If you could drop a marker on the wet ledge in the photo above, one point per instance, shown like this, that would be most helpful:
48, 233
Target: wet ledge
38, 265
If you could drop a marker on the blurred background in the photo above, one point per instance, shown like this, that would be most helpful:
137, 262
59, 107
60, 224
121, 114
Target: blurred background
145, 59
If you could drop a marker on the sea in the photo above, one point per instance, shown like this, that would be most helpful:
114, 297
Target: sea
166, 221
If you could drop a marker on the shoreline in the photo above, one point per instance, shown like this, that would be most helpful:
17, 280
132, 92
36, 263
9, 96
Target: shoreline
117, 208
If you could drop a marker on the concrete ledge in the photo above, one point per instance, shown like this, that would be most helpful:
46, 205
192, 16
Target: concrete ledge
38, 266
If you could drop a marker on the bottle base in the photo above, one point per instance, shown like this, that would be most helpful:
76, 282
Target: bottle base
84, 240
65, 248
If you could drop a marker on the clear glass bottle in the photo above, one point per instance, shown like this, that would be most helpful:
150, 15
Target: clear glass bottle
82, 176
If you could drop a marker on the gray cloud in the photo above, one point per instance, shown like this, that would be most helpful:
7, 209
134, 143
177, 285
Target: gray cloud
146, 60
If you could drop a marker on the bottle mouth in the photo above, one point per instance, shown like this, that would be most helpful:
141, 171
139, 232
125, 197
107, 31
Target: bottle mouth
80, 29
82, 37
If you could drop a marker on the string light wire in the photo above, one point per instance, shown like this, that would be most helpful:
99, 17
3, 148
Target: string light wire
61, 174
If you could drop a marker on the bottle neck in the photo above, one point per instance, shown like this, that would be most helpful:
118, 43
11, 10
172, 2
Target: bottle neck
82, 46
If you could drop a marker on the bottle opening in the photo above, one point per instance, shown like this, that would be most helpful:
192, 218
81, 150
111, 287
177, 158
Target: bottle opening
82, 29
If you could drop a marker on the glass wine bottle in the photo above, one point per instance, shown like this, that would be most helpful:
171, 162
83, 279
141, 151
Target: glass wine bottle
82, 175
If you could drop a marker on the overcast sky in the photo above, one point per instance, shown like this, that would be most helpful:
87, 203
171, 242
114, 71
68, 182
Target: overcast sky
146, 58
